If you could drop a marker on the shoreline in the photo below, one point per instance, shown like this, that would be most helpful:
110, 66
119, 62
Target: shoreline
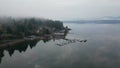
17, 41
32, 38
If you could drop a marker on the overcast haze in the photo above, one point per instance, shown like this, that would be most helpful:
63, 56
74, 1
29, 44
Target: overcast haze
60, 9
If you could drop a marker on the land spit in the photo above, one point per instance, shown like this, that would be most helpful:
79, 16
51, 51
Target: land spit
17, 41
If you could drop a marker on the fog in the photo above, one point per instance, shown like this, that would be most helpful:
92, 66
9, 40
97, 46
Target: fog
60, 9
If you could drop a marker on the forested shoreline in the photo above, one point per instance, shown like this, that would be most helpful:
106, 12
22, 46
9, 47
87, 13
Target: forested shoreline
21, 27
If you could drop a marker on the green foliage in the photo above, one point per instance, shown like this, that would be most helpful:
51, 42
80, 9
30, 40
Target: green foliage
1, 29
28, 26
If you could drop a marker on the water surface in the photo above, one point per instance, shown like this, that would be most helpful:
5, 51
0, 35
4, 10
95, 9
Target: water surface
102, 50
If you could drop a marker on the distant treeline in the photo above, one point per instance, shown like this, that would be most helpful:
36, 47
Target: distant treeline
95, 22
28, 26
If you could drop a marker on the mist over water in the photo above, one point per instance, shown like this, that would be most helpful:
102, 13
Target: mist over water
102, 50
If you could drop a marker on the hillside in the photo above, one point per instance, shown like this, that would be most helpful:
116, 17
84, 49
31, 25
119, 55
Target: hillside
20, 27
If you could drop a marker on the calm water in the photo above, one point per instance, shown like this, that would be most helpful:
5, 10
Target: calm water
102, 50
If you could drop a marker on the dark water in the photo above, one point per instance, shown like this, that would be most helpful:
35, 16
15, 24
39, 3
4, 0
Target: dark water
102, 50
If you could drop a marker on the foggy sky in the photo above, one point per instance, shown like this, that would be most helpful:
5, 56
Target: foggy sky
60, 9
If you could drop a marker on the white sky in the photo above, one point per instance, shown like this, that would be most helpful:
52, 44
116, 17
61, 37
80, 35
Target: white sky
60, 9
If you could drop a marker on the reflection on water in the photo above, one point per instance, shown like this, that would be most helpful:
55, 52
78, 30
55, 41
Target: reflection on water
86, 46
21, 47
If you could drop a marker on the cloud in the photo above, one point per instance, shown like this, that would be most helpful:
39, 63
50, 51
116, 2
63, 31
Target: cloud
60, 9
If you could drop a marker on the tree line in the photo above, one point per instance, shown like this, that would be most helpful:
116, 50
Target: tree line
20, 27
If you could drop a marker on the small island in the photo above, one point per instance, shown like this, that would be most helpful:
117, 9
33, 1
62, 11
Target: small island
17, 30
